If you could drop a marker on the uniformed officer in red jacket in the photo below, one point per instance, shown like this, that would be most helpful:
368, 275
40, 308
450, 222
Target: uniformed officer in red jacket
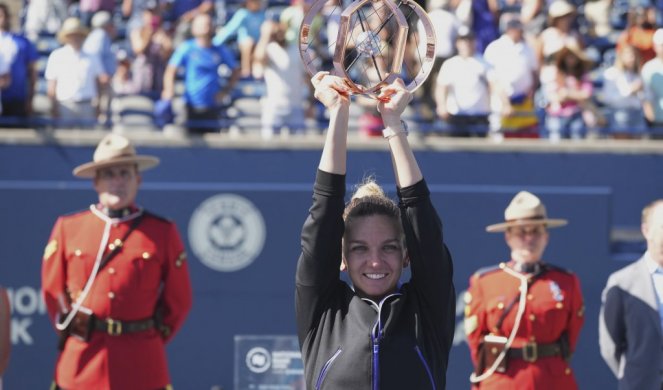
523, 317
115, 280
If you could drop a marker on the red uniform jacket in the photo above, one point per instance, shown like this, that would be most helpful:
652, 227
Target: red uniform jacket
554, 306
150, 270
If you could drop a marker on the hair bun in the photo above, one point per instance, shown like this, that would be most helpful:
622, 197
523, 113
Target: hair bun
368, 188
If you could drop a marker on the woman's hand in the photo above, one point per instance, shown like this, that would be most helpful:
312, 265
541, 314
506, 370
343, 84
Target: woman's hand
392, 101
332, 91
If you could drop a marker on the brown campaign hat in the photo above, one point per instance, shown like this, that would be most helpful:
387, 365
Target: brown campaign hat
525, 209
114, 149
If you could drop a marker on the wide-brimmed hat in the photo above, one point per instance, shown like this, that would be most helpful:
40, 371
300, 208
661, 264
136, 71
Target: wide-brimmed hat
114, 149
559, 8
525, 209
71, 26
577, 52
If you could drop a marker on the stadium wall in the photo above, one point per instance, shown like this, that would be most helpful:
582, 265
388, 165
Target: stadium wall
270, 189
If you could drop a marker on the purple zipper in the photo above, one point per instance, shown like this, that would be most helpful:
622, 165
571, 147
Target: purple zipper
376, 363
325, 368
421, 356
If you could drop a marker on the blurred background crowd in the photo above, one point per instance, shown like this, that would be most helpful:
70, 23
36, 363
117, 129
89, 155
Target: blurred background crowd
503, 68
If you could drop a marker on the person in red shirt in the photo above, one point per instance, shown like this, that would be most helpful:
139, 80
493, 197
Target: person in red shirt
639, 32
115, 280
523, 317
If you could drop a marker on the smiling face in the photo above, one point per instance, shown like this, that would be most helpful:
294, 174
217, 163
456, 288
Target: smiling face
527, 242
117, 185
374, 255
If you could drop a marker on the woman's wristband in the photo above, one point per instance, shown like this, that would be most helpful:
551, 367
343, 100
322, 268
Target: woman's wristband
390, 132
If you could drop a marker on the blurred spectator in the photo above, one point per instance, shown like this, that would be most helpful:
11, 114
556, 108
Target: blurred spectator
125, 81
639, 31
245, 25
623, 96
201, 61
5, 77
152, 46
485, 23
180, 15
44, 16
560, 32
133, 10
74, 78
533, 17
446, 27
652, 77
463, 90
515, 68
283, 104
87, 9
292, 17
530, 12
21, 56
98, 43
568, 90
597, 14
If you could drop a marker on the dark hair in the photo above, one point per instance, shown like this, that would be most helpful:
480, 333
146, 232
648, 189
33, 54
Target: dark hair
578, 70
369, 199
8, 15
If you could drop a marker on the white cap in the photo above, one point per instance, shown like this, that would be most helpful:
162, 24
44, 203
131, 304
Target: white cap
657, 39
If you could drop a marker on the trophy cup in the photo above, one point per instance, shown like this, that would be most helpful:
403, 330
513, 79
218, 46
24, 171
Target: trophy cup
369, 43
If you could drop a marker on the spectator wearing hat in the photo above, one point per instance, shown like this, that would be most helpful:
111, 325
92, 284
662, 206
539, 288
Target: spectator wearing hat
21, 55
631, 316
74, 78
568, 92
463, 89
652, 73
516, 71
559, 33
115, 280
523, 316
201, 59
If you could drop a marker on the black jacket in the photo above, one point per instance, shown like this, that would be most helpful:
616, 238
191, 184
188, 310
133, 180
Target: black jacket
350, 343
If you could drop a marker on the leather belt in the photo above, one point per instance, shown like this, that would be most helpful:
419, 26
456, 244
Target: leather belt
116, 328
531, 351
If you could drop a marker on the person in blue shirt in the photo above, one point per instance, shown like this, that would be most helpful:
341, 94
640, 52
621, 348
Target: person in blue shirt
22, 56
245, 25
201, 61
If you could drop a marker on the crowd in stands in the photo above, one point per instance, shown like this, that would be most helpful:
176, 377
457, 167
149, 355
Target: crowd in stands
509, 68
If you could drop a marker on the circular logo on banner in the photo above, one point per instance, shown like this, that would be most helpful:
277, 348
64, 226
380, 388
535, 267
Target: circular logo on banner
227, 232
258, 360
